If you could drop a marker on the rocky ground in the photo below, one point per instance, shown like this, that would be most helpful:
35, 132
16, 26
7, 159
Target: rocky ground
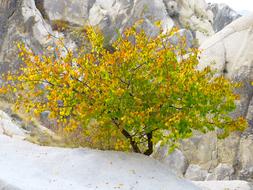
202, 157
27, 166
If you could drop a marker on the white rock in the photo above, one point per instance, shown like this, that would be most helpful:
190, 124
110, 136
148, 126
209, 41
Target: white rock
174, 161
230, 49
223, 15
9, 128
29, 167
221, 172
196, 173
223, 185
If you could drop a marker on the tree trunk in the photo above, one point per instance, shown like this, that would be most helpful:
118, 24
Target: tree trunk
132, 142
149, 151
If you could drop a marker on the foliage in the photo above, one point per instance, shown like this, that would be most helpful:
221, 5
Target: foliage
60, 25
144, 88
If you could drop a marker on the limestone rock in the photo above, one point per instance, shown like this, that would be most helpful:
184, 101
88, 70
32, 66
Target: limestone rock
230, 52
201, 150
223, 185
223, 15
246, 157
222, 172
230, 49
9, 128
32, 21
176, 161
115, 15
28, 167
196, 173
20, 21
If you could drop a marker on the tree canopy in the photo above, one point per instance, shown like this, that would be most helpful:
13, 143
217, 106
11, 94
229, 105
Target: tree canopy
143, 87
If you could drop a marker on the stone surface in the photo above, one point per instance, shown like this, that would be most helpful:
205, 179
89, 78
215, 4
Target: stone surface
9, 128
32, 21
223, 185
222, 172
196, 173
201, 150
223, 15
28, 167
176, 161
114, 15
230, 49
20, 21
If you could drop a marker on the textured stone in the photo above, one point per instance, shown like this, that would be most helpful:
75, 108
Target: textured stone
224, 185
20, 21
115, 15
201, 150
230, 49
223, 15
176, 160
196, 173
246, 157
222, 172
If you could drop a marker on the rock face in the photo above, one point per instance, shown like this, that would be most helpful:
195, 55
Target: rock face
114, 15
230, 51
20, 21
223, 15
31, 21
223, 185
26, 166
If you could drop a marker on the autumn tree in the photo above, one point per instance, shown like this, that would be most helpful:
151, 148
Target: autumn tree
144, 87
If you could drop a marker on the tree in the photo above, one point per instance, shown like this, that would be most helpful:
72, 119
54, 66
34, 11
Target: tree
144, 87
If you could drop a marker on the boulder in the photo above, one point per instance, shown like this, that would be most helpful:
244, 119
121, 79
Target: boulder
246, 157
196, 173
9, 128
175, 161
201, 150
115, 15
28, 166
20, 21
223, 185
230, 50
223, 15
33, 21
222, 172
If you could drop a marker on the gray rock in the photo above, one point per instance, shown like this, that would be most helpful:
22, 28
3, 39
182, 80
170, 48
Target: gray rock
222, 172
176, 160
20, 21
231, 158
6, 186
115, 15
183, 33
223, 185
201, 150
223, 15
196, 173
32, 21
230, 49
